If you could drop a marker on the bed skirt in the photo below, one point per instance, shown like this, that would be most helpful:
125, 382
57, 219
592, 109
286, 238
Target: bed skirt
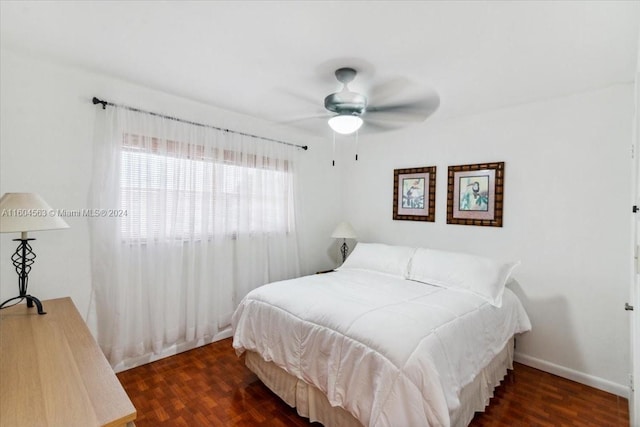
312, 403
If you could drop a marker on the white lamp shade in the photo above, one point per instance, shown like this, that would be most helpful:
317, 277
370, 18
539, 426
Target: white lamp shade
344, 231
345, 124
22, 212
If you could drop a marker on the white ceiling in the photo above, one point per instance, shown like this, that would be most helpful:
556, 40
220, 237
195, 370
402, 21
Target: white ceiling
275, 60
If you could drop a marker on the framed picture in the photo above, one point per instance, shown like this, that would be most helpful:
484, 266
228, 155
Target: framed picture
475, 194
414, 194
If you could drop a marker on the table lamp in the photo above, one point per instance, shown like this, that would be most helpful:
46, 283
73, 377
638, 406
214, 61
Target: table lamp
21, 213
344, 231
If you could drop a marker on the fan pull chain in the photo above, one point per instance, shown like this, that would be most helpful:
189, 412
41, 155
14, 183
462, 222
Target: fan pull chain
333, 162
357, 132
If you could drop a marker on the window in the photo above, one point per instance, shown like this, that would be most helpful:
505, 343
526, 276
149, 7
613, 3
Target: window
181, 191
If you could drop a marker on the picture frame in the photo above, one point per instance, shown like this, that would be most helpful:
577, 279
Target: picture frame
475, 194
414, 194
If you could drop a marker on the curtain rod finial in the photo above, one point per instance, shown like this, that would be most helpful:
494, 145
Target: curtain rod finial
98, 101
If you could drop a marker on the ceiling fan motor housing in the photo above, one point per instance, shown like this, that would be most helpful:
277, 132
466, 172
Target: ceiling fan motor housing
346, 102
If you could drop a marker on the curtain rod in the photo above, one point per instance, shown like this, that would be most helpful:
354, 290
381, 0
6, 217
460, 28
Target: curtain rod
105, 103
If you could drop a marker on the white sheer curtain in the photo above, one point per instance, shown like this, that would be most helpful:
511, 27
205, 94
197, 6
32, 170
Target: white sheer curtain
189, 219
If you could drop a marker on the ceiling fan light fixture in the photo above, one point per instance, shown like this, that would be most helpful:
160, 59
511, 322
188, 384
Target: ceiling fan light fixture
345, 124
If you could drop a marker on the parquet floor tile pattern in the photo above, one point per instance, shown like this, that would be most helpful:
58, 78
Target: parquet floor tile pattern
210, 386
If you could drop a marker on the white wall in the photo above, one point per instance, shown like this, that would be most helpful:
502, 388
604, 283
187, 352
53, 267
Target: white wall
46, 147
566, 217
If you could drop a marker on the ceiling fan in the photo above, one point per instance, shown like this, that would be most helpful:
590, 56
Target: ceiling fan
352, 109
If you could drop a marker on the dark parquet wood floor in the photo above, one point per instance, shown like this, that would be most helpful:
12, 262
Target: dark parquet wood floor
210, 386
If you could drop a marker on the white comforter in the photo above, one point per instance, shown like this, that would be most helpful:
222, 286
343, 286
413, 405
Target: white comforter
393, 352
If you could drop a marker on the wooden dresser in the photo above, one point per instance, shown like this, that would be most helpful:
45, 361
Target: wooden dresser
52, 372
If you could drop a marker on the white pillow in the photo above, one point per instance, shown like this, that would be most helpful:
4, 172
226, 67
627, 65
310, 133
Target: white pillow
380, 258
481, 276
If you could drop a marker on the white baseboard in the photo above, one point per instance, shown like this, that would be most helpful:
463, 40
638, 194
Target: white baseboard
170, 351
580, 377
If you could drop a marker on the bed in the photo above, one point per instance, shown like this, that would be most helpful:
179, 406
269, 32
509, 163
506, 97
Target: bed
397, 336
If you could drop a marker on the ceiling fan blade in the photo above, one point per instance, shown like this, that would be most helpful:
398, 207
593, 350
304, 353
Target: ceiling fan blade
315, 125
307, 99
305, 119
373, 126
411, 111
381, 92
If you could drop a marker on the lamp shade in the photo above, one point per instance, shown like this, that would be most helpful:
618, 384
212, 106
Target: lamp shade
344, 231
22, 212
345, 123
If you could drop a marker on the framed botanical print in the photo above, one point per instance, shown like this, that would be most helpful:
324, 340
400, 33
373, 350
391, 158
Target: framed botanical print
475, 194
414, 194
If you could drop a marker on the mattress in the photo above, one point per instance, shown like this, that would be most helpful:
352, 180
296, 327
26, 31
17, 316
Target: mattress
389, 351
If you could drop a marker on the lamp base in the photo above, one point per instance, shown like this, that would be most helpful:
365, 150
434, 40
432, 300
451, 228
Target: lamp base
31, 300
344, 250
22, 260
